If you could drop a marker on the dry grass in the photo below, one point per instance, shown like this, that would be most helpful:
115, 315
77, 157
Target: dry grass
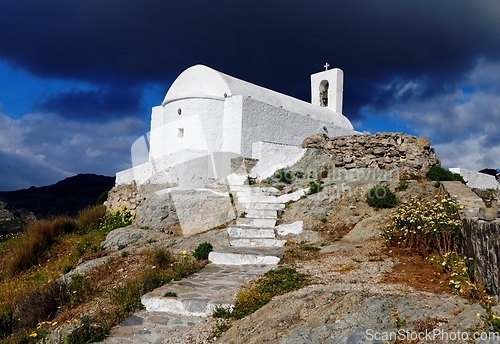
89, 218
27, 249
107, 295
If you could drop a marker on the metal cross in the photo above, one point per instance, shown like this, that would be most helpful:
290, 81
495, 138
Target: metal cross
326, 66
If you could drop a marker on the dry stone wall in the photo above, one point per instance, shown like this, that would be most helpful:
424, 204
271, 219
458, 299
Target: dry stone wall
481, 241
130, 195
385, 151
480, 235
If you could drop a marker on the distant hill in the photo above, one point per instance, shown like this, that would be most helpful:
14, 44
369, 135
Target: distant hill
66, 197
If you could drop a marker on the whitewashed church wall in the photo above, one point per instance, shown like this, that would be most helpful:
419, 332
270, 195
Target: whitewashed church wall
171, 169
264, 122
196, 127
155, 138
232, 122
273, 156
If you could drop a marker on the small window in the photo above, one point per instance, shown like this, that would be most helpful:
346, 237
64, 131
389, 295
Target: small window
323, 93
180, 133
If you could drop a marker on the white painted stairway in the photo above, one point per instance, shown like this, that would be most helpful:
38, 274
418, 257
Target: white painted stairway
253, 239
253, 249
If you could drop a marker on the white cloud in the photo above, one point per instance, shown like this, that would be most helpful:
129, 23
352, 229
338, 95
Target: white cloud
42, 149
470, 154
463, 124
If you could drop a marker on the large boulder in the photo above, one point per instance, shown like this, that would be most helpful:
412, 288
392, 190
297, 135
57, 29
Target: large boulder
158, 212
185, 212
201, 210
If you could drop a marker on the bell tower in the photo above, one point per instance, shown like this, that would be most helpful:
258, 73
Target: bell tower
327, 88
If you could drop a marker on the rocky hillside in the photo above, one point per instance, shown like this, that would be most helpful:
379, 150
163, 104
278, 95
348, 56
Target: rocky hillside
66, 197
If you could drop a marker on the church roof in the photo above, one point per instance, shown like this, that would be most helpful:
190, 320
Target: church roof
202, 81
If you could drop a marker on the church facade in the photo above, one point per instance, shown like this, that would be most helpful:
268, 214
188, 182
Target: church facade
207, 118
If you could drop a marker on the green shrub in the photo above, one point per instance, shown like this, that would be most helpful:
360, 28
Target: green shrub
89, 218
222, 312
202, 251
380, 196
403, 185
425, 225
439, 174
299, 174
117, 218
283, 176
315, 187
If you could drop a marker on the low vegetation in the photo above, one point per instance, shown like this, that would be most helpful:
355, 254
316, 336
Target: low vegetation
315, 186
403, 185
439, 174
203, 250
425, 226
28, 250
380, 196
433, 230
257, 294
116, 218
35, 300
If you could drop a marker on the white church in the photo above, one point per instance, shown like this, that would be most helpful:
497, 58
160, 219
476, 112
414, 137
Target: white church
208, 118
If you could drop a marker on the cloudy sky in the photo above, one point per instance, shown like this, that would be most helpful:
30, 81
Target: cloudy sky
78, 78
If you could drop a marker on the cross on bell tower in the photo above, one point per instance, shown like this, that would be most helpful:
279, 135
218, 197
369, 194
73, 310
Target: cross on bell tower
326, 66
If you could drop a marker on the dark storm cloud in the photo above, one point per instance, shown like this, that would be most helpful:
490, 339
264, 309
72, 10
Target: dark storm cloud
276, 44
95, 105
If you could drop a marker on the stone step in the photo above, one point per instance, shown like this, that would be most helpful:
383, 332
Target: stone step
200, 307
200, 293
257, 199
246, 256
261, 214
251, 222
256, 190
265, 206
250, 232
256, 242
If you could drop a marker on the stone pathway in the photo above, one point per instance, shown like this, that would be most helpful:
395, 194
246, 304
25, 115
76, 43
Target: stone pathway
188, 303
253, 250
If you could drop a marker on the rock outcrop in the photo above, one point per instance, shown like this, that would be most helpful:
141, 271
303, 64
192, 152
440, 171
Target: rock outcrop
185, 212
158, 212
